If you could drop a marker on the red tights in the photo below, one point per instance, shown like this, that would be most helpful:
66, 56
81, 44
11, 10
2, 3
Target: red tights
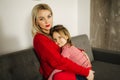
64, 76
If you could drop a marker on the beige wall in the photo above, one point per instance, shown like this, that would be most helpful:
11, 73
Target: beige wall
15, 20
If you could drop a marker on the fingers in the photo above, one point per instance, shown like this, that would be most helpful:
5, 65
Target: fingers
91, 75
93, 71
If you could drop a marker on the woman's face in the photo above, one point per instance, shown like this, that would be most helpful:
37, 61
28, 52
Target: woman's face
45, 20
59, 40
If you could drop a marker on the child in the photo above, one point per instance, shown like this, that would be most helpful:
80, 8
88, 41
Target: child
62, 38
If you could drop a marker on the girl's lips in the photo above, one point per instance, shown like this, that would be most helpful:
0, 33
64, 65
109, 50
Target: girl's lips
47, 25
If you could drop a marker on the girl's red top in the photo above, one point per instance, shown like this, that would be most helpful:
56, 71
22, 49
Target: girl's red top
50, 58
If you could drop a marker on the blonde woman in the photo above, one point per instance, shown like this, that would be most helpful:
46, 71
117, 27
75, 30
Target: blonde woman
46, 49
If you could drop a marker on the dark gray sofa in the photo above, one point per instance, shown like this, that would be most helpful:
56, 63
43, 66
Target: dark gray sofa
24, 64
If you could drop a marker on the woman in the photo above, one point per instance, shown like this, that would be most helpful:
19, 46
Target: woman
48, 52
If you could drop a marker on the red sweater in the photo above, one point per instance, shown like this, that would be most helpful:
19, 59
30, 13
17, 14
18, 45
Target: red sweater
49, 55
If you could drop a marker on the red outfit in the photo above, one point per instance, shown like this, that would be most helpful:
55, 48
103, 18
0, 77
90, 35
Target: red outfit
74, 54
64, 76
50, 58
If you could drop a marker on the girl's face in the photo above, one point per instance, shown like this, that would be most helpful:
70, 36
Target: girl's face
59, 40
45, 20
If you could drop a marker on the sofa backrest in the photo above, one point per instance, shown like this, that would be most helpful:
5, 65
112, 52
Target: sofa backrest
20, 65
24, 64
82, 42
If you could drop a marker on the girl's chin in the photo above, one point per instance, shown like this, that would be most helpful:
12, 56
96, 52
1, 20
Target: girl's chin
59, 45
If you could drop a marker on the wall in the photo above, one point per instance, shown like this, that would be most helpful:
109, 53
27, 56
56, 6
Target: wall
105, 24
84, 17
15, 21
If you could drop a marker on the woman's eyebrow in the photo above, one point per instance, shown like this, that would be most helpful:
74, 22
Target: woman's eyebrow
40, 17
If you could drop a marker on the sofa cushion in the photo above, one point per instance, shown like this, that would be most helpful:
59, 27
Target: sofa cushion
20, 65
106, 71
82, 41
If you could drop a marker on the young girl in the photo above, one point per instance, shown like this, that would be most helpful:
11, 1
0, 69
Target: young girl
61, 36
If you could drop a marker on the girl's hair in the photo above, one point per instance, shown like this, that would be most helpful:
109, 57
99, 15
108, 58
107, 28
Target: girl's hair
35, 10
62, 31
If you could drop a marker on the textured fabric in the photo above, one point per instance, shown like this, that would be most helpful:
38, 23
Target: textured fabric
76, 55
82, 42
49, 55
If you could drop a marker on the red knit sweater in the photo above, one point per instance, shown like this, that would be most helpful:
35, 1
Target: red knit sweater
49, 55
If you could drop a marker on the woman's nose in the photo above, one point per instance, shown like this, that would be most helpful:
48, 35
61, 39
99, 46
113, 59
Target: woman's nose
46, 20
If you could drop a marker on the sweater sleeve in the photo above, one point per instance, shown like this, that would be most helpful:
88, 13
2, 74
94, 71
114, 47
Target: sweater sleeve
53, 57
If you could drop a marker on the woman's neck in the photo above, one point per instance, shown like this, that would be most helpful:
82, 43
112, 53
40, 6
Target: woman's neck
46, 33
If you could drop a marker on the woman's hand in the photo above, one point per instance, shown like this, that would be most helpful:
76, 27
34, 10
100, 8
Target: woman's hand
90, 75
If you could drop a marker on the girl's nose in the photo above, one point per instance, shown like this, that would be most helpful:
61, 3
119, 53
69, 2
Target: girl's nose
57, 41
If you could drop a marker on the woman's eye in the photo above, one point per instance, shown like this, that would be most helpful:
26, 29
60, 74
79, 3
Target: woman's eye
49, 16
41, 19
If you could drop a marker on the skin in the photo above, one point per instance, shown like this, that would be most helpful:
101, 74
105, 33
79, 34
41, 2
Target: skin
45, 20
59, 40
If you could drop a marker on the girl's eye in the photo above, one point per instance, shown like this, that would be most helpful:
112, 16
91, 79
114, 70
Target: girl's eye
60, 37
55, 40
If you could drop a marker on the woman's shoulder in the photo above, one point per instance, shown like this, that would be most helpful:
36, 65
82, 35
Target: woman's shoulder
42, 38
39, 36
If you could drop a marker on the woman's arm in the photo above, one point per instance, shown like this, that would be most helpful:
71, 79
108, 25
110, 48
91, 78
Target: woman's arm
53, 57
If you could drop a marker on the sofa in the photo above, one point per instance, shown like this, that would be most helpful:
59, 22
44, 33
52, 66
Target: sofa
24, 64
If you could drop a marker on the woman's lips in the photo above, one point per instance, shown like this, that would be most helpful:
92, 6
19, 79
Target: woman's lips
48, 25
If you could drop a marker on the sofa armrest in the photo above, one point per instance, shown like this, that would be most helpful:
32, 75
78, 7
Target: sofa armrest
106, 56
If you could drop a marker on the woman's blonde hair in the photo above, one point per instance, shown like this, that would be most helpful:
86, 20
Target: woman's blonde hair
35, 10
62, 31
